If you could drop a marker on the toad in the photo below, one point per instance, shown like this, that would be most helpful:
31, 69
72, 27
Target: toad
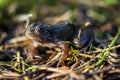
80, 35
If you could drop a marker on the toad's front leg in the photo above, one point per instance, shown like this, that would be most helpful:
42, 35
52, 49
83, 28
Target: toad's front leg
64, 52
31, 51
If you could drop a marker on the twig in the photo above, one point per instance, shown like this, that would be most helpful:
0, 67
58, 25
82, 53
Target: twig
102, 50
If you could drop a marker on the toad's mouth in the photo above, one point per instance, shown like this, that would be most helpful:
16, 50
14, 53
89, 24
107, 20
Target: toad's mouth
36, 37
32, 36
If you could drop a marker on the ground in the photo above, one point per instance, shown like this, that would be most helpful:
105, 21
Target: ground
99, 62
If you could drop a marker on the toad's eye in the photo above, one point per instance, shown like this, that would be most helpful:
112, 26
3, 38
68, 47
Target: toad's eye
39, 28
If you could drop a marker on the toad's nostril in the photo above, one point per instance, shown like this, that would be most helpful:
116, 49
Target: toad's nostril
31, 30
34, 24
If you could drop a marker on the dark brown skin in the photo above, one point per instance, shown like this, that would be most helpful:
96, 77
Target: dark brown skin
54, 35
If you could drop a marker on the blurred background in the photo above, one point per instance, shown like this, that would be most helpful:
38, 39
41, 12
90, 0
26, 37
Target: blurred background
14, 13
104, 16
